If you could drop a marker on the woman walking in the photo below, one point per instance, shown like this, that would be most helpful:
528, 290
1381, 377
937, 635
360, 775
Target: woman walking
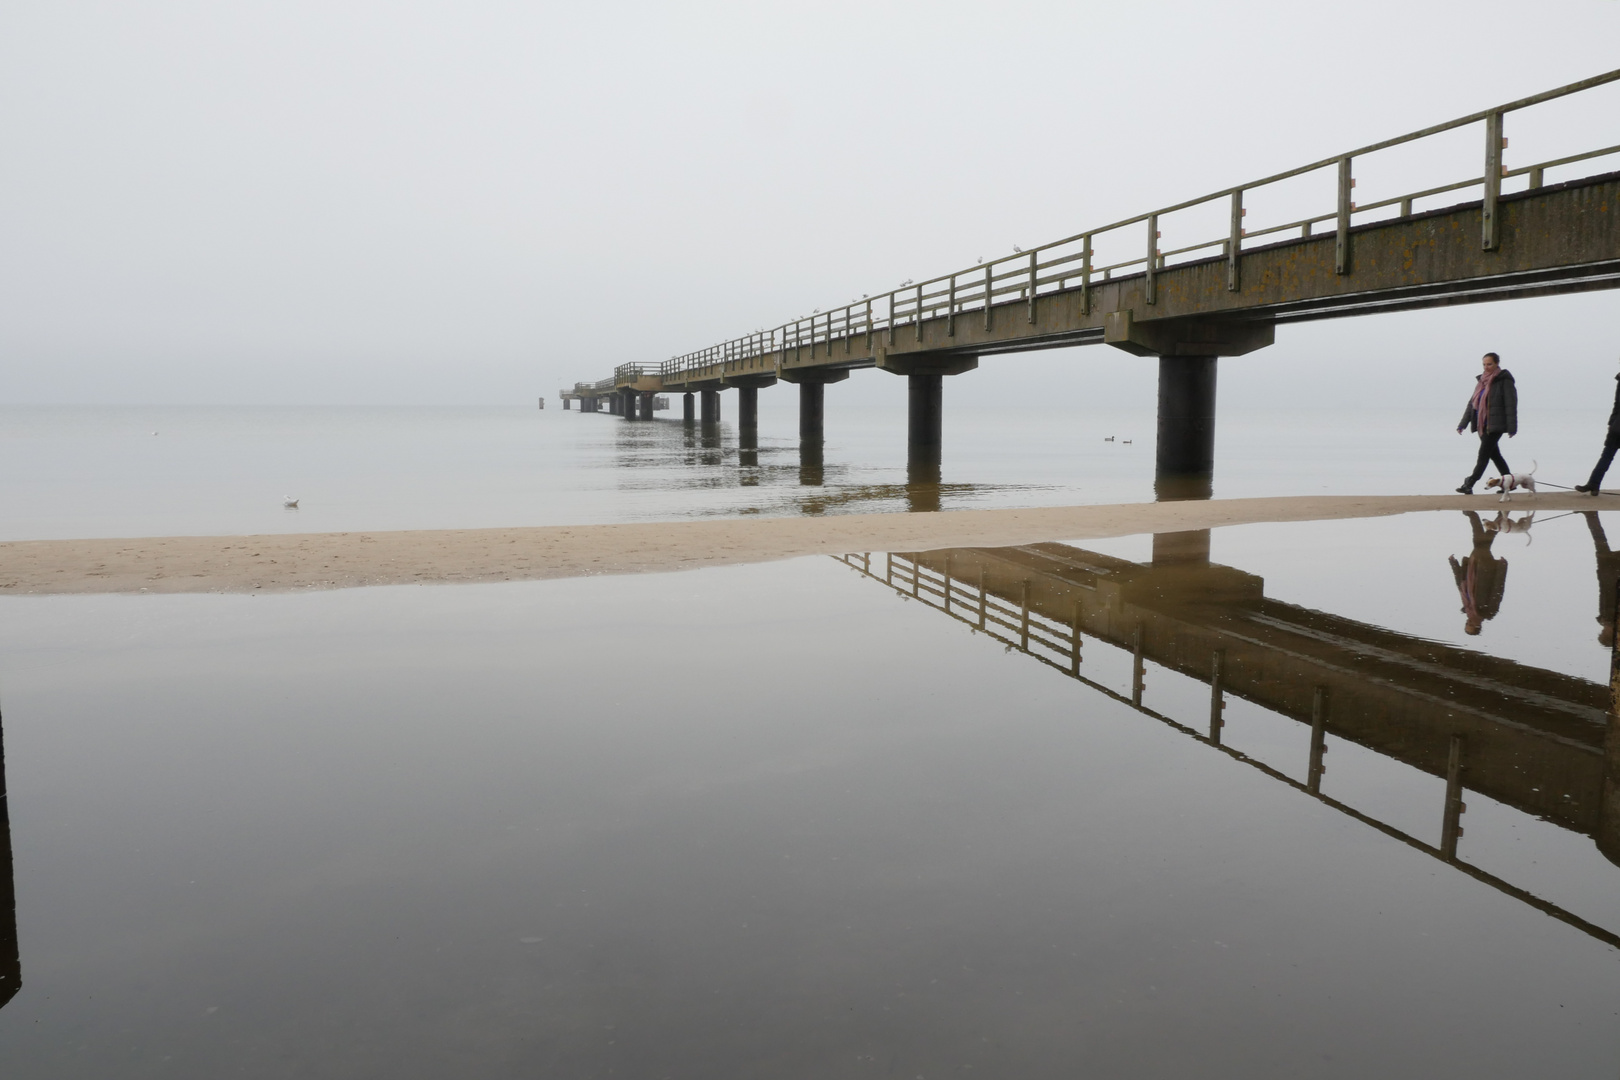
1493, 411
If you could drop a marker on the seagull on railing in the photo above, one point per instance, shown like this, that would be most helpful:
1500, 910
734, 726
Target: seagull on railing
1017, 250
906, 282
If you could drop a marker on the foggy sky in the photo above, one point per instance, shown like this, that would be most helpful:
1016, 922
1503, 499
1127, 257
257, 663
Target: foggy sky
477, 203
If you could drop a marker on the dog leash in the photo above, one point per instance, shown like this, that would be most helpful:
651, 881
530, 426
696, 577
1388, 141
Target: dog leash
1566, 487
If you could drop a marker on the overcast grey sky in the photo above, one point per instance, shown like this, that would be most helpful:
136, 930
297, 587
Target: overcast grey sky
477, 202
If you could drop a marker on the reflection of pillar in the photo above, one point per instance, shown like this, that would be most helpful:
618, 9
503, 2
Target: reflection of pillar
1186, 444
922, 485
1181, 548
710, 406
646, 403
811, 470
687, 407
812, 411
10, 960
748, 410
923, 417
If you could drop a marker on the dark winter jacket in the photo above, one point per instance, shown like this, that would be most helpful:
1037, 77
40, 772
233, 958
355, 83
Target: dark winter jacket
1502, 408
1614, 414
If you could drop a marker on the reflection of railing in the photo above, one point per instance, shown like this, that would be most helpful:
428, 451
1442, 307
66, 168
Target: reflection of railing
1069, 262
1059, 645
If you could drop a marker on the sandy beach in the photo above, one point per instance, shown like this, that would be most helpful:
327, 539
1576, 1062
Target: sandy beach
282, 562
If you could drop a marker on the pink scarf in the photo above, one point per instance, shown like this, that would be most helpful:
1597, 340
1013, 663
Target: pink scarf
1481, 399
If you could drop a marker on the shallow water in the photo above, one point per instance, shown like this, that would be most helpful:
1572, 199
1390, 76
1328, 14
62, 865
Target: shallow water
81, 472
778, 820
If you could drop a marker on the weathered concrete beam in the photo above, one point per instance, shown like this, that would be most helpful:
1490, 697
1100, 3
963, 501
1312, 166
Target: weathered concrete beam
1186, 337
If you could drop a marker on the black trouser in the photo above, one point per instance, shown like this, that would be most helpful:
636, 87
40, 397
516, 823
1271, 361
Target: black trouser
1610, 445
1487, 452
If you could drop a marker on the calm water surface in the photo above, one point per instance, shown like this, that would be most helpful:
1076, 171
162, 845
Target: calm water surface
77, 472
786, 820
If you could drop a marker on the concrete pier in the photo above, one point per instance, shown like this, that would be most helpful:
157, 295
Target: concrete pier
1186, 440
923, 418
748, 410
709, 407
812, 413
688, 407
645, 411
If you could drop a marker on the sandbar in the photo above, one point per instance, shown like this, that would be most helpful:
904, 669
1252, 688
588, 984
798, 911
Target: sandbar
283, 562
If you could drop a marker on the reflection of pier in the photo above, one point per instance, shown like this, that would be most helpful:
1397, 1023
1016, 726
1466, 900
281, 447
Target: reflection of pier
1528, 738
10, 960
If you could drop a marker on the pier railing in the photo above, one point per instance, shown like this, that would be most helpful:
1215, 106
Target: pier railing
1079, 260
632, 372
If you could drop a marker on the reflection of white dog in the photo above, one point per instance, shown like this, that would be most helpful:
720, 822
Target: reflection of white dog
1505, 524
1513, 481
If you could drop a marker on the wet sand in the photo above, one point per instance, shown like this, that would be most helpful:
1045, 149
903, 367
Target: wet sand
281, 562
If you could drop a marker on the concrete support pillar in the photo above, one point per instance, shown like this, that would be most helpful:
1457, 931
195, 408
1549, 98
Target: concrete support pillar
812, 410
1186, 444
710, 407
688, 407
1184, 462
567, 404
748, 410
646, 403
923, 418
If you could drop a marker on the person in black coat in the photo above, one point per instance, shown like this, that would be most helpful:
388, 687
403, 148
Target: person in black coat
1493, 411
1610, 445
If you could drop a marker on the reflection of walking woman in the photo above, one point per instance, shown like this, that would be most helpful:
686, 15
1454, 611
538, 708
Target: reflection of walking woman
1493, 411
1481, 578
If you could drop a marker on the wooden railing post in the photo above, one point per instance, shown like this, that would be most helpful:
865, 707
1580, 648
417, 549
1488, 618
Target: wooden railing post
1034, 279
1234, 244
1341, 248
1493, 181
1152, 258
1085, 275
989, 292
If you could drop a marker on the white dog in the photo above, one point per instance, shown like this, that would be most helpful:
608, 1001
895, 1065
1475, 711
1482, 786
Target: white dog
1513, 481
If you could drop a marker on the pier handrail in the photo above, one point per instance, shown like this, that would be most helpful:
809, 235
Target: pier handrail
1053, 266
